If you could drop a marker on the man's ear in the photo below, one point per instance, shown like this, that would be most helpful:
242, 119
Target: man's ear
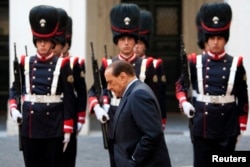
123, 75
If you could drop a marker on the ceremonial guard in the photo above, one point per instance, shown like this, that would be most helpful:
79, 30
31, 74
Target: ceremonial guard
125, 26
140, 49
63, 43
60, 37
77, 65
220, 95
47, 89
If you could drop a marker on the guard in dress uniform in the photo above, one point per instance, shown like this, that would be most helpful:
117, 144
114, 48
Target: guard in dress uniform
78, 67
47, 121
124, 19
140, 49
60, 37
220, 95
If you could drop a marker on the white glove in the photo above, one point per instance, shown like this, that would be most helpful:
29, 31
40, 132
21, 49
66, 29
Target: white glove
188, 109
66, 140
101, 114
106, 107
16, 115
79, 127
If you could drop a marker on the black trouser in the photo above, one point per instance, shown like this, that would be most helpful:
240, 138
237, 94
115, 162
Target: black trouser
69, 156
111, 152
204, 148
111, 114
42, 152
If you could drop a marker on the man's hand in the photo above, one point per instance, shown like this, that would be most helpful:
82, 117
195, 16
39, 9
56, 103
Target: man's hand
66, 141
16, 115
188, 109
101, 114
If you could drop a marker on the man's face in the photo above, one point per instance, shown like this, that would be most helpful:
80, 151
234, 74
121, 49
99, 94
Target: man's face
140, 48
216, 44
126, 45
115, 84
65, 48
58, 50
44, 46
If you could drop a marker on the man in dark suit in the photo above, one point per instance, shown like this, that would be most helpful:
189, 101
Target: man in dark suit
124, 20
137, 132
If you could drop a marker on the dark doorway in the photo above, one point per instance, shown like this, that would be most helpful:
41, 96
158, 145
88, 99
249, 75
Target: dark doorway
4, 61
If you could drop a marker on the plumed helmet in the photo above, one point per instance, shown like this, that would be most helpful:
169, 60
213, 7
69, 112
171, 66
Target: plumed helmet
216, 19
146, 27
44, 22
69, 31
61, 32
125, 18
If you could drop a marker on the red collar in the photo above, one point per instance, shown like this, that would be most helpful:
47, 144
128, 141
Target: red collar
45, 58
217, 56
128, 59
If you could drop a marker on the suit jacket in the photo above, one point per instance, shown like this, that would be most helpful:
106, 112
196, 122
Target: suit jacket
137, 130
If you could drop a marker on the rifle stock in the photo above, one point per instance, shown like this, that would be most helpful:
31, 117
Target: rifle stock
18, 88
98, 92
185, 71
105, 51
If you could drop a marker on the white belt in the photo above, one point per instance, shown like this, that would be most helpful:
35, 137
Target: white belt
215, 99
43, 98
115, 101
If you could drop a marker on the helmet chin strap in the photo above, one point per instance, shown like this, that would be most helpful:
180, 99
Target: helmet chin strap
47, 53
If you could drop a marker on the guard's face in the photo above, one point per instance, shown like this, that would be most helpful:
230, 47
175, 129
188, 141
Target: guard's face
140, 48
126, 45
216, 44
44, 47
65, 48
58, 50
115, 84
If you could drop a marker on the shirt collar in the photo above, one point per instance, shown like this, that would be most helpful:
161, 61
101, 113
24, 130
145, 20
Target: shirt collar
130, 83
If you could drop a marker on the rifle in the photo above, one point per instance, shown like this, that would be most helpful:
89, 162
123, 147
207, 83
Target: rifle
99, 94
105, 51
185, 71
186, 74
18, 88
